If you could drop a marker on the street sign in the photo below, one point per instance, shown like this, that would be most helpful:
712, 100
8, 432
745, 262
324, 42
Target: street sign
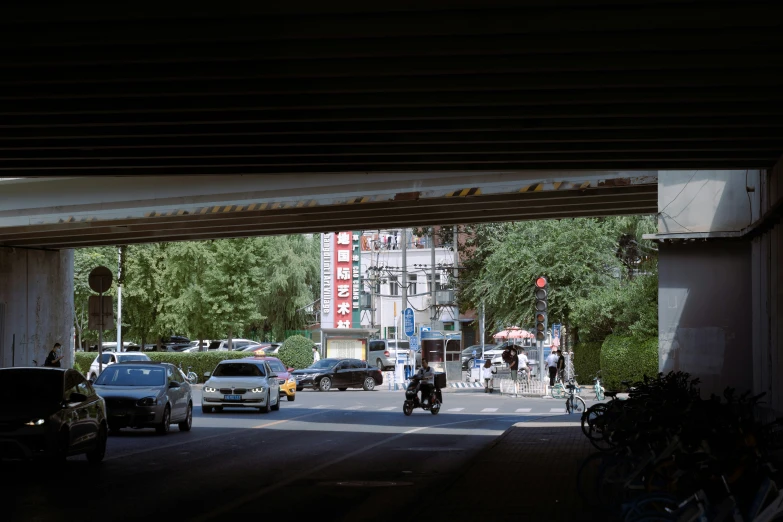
100, 279
425, 328
413, 342
409, 322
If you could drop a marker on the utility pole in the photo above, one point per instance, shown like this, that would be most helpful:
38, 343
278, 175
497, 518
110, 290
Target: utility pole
455, 273
433, 308
120, 278
404, 282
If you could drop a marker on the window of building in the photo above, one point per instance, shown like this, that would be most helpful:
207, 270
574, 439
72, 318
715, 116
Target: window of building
412, 278
394, 286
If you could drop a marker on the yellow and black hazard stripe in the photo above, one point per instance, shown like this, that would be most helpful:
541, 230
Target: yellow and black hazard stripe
360, 199
462, 193
535, 187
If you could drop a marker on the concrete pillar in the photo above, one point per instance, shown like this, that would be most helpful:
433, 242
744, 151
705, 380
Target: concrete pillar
36, 305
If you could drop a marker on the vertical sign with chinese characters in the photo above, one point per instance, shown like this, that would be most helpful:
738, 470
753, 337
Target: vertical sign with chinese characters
327, 281
357, 283
343, 280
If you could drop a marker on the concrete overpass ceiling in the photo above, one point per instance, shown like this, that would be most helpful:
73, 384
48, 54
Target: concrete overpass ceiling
321, 87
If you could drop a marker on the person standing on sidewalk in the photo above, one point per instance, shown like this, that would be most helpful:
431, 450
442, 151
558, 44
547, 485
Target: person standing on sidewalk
488, 373
551, 362
560, 366
513, 365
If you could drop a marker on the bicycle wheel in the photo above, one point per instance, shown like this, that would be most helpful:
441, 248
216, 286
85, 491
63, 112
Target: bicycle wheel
557, 391
575, 404
587, 479
590, 417
650, 505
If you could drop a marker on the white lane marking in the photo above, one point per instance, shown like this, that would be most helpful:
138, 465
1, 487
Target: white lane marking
489, 410
322, 406
456, 409
354, 408
523, 410
556, 410
312, 471
388, 408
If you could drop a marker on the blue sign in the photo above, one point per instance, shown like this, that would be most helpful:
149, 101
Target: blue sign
409, 322
413, 342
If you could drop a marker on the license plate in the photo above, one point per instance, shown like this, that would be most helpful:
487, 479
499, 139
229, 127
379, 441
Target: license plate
232, 397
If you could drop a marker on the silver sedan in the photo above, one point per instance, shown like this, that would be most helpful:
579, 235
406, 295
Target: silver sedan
241, 384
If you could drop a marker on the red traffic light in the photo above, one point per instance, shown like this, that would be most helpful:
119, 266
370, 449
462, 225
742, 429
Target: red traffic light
540, 318
541, 282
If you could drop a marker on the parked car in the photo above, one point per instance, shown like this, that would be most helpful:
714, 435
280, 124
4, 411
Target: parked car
338, 373
236, 344
51, 413
109, 358
467, 354
174, 343
268, 349
383, 352
249, 348
242, 383
194, 345
284, 377
146, 395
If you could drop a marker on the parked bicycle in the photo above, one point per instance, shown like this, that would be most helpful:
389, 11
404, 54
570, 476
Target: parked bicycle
560, 391
574, 403
190, 376
597, 387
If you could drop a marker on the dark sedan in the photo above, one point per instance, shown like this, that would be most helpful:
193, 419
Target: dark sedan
50, 413
338, 373
146, 395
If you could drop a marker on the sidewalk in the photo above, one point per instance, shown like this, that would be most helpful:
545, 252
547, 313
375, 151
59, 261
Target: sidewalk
528, 473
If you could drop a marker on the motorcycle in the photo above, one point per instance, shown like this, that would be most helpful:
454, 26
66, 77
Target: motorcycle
412, 398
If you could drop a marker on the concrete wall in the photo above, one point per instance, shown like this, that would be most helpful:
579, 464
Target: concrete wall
36, 291
704, 315
707, 200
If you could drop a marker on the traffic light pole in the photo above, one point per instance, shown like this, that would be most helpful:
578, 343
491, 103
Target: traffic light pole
541, 367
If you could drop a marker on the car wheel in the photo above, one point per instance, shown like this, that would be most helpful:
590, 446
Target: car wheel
325, 384
342, 389
291, 398
165, 424
96, 455
268, 407
379, 364
186, 424
369, 384
299, 388
276, 406
206, 409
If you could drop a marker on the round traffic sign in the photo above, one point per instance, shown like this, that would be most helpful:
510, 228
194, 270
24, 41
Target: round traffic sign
100, 279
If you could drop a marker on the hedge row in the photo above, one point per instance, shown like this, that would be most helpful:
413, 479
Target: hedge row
199, 362
297, 352
627, 359
587, 361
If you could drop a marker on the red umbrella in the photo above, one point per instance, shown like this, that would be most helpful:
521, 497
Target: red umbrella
520, 334
510, 332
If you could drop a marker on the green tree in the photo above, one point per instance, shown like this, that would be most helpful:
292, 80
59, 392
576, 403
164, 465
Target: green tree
142, 292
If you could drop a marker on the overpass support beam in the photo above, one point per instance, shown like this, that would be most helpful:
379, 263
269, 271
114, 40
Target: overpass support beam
36, 305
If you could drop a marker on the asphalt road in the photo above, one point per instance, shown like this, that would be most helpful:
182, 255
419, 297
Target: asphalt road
332, 456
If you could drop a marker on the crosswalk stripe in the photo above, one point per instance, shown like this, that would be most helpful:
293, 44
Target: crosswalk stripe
557, 410
456, 409
388, 408
489, 410
322, 406
524, 410
355, 408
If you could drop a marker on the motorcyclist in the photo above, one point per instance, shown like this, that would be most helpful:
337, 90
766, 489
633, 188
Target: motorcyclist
426, 377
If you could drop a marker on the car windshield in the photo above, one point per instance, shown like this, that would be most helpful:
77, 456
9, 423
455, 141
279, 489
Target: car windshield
121, 375
276, 366
239, 370
32, 387
214, 345
324, 363
134, 357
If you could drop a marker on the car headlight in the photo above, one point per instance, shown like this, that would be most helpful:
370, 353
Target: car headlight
210, 389
147, 401
36, 422
290, 380
257, 390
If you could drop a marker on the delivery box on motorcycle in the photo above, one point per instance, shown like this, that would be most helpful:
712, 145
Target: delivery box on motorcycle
440, 380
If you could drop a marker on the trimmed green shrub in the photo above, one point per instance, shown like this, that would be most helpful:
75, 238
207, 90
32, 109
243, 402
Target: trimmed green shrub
628, 359
199, 362
78, 368
587, 361
297, 352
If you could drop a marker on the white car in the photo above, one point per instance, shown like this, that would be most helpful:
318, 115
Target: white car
241, 383
236, 344
110, 358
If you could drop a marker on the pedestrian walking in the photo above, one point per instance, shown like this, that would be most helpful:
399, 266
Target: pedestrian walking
53, 359
316, 355
488, 373
560, 366
551, 362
